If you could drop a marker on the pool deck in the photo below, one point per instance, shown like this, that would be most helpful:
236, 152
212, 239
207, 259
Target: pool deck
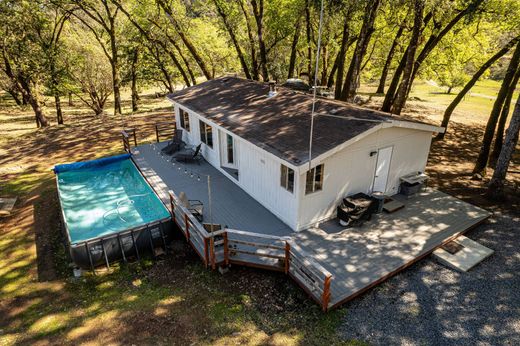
358, 258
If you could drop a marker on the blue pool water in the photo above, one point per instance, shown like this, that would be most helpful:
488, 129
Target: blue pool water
107, 199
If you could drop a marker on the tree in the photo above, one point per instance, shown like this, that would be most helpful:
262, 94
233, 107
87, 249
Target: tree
90, 75
499, 137
483, 157
410, 55
389, 58
231, 31
352, 79
451, 107
168, 10
101, 18
21, 23
496, 185
438, 33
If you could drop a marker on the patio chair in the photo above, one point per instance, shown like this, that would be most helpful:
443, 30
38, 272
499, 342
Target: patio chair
175, 144
194, 206
190, 155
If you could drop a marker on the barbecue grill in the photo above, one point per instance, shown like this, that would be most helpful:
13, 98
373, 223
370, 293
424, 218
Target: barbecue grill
356, 209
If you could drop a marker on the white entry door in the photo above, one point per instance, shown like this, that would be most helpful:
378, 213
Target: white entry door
384, 156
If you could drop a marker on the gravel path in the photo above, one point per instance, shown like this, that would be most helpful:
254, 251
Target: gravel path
429, 304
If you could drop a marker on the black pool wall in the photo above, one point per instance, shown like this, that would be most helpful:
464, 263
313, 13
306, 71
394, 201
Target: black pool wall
127, 244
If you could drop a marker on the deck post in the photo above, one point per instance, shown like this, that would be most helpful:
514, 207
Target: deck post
135, 137
226, 249
212, 252
287, 256
326, 293
206, 255
172, 205
187, 226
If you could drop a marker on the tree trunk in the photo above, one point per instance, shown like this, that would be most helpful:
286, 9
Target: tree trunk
187, 42
412, 48
133, 72
71, 103
114, 63
390, 93
234, 39
392, 88
351, 80
294, 50
341, 57
28, 95
308, 34
252, 44
16, 96
434, 39
59, 113
388, 61
499, 137
471, 83
496, 185
258, 12
482, 160
33, 100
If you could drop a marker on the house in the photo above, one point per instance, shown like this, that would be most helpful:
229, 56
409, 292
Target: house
259, 138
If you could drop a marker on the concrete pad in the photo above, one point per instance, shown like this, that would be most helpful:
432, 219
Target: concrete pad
469, 256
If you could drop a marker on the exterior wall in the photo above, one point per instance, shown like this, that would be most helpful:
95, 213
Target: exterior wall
352, 170
193, 137
259, 171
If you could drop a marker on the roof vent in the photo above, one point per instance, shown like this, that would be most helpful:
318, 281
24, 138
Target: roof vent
272, 89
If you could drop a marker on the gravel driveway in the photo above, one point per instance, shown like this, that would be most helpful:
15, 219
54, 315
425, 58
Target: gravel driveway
429, 304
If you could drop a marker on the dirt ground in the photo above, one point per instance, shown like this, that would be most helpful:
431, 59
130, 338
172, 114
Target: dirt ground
175, 300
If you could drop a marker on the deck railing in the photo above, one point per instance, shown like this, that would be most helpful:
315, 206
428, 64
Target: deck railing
164, 130
227, 246
125, 134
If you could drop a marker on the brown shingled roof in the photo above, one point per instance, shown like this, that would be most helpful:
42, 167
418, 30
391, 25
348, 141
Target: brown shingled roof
279, 124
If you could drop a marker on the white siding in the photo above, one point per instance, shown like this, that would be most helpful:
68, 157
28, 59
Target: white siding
193, 137
259, 172
260, 178
352, 170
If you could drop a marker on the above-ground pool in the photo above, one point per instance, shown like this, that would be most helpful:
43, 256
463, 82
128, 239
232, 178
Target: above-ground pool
109, 210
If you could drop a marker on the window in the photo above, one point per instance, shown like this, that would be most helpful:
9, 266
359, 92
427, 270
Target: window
206, 133
314, 181
185, 119
287, 178
230, 153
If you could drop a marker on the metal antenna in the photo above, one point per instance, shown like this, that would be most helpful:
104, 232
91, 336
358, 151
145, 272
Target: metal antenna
315, 85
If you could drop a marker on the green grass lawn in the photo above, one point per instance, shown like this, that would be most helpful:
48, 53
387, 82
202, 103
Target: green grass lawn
476, 105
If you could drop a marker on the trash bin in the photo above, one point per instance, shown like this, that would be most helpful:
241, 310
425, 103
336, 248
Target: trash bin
379, 198
408, 189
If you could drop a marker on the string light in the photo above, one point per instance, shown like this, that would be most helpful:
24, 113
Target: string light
187, 171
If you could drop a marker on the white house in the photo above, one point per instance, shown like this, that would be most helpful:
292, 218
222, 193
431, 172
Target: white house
260, 140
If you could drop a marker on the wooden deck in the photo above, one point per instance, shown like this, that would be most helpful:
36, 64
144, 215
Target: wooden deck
349, 260
360, 257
